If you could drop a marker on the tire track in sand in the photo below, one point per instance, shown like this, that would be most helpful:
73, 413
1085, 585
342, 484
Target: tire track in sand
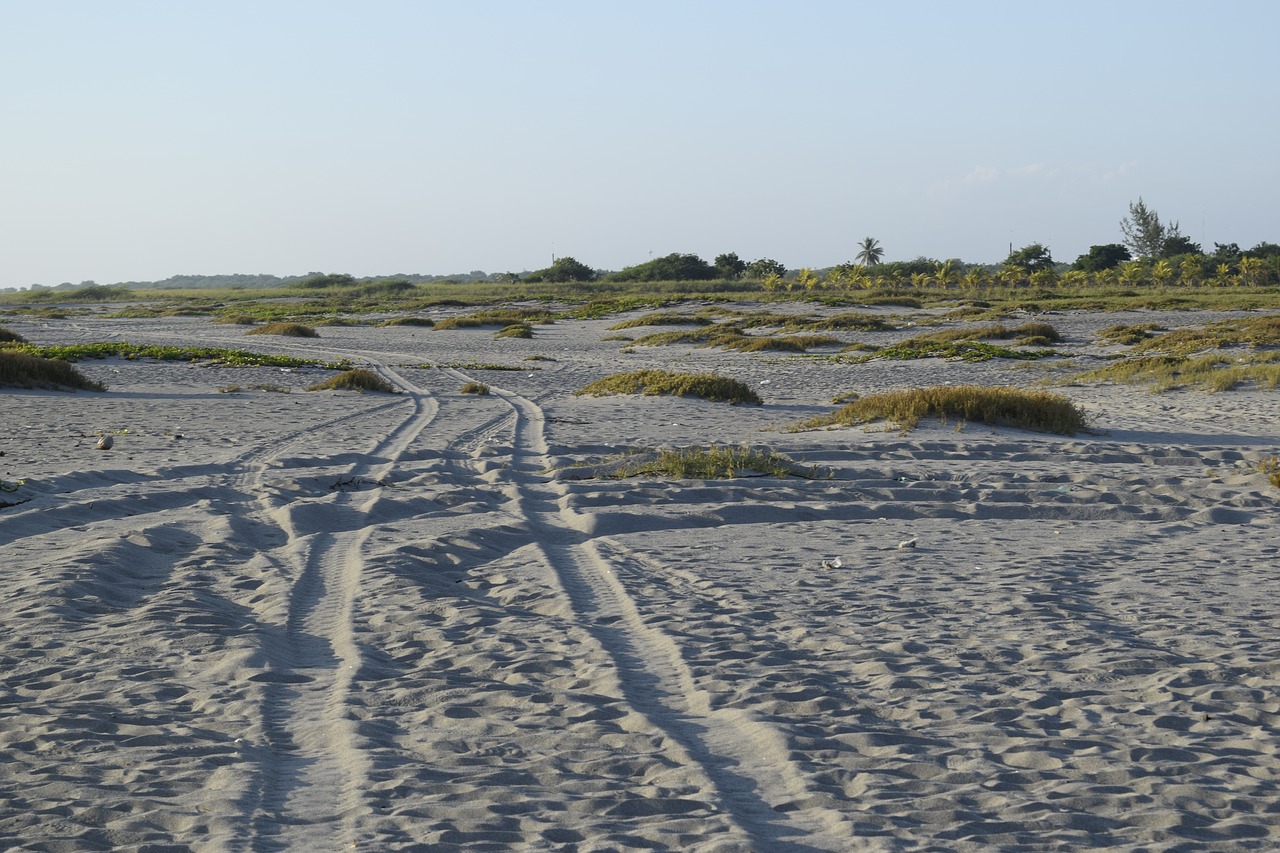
746, 761
313, 768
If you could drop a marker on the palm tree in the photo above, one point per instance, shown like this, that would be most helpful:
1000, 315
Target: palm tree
871, 252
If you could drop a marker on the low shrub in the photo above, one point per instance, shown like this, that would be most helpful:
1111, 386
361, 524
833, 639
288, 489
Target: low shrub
708, 386
475, 388
1034, 410
10, 337
359, 379
292, 330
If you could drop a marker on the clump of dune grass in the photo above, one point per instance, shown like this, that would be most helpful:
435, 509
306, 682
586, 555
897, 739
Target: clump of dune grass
1040, 411
1249, 331
292, 330
1039, 332
497, 317
7, 336
475, 388
515, 330
705, 335
263, 386
776, 343
662, 318
237, 320
851, 321
22, 370
538, 358
708, 386
1216, 372
339, 321
971, 351
1270, 468
425, 322
1127, 334
358, 379
712, 463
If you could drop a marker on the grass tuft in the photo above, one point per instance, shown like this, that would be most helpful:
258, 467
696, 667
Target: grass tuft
23, 370
475, 388
708, 386
359, 379
1270, 468
515, 330
712, 463
1034, 410
425, 322
292, 330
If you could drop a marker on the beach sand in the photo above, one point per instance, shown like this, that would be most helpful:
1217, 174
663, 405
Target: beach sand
333, 621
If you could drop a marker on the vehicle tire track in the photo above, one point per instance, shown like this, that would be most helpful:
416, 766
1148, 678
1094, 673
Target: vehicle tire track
746, 761
314, 767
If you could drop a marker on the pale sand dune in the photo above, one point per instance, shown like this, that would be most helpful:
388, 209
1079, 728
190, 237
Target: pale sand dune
322, 621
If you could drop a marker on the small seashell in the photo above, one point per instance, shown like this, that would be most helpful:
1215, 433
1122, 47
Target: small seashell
105, 442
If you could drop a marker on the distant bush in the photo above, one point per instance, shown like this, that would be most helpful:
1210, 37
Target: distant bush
358, 379
708, 386
1034, 410
22, 370
292, 330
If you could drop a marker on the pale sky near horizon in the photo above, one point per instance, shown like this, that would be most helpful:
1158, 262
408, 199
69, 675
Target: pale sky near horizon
144, 138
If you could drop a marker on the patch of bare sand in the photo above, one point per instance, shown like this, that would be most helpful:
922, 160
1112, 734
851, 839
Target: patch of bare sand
320, 620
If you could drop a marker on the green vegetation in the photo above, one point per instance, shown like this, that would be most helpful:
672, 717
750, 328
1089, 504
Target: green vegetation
216, 355
292, 330
502, 318
515, 330
475, 388
663, 318
1127, 334
1270, 468
971, 351
262, 386
8, 336
236, 320
358, 379
425, 322
1036, 333
1034, 410
20, 369
1250, 331
1216, 372
708, 386
712, 463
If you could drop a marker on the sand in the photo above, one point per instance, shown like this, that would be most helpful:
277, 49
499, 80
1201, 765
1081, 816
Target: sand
326, 620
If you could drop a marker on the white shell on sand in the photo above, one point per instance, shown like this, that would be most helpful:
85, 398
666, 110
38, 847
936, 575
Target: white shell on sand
106, 442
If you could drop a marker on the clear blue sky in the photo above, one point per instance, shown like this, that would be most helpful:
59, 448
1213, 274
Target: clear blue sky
147, 138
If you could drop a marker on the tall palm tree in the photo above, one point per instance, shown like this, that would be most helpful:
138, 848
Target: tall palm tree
871, 252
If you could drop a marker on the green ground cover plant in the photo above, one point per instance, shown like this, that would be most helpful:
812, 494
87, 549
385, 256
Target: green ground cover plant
1215, 372
708, 386
292, 330
1040, 411
357, 379
216, 355
19, 369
